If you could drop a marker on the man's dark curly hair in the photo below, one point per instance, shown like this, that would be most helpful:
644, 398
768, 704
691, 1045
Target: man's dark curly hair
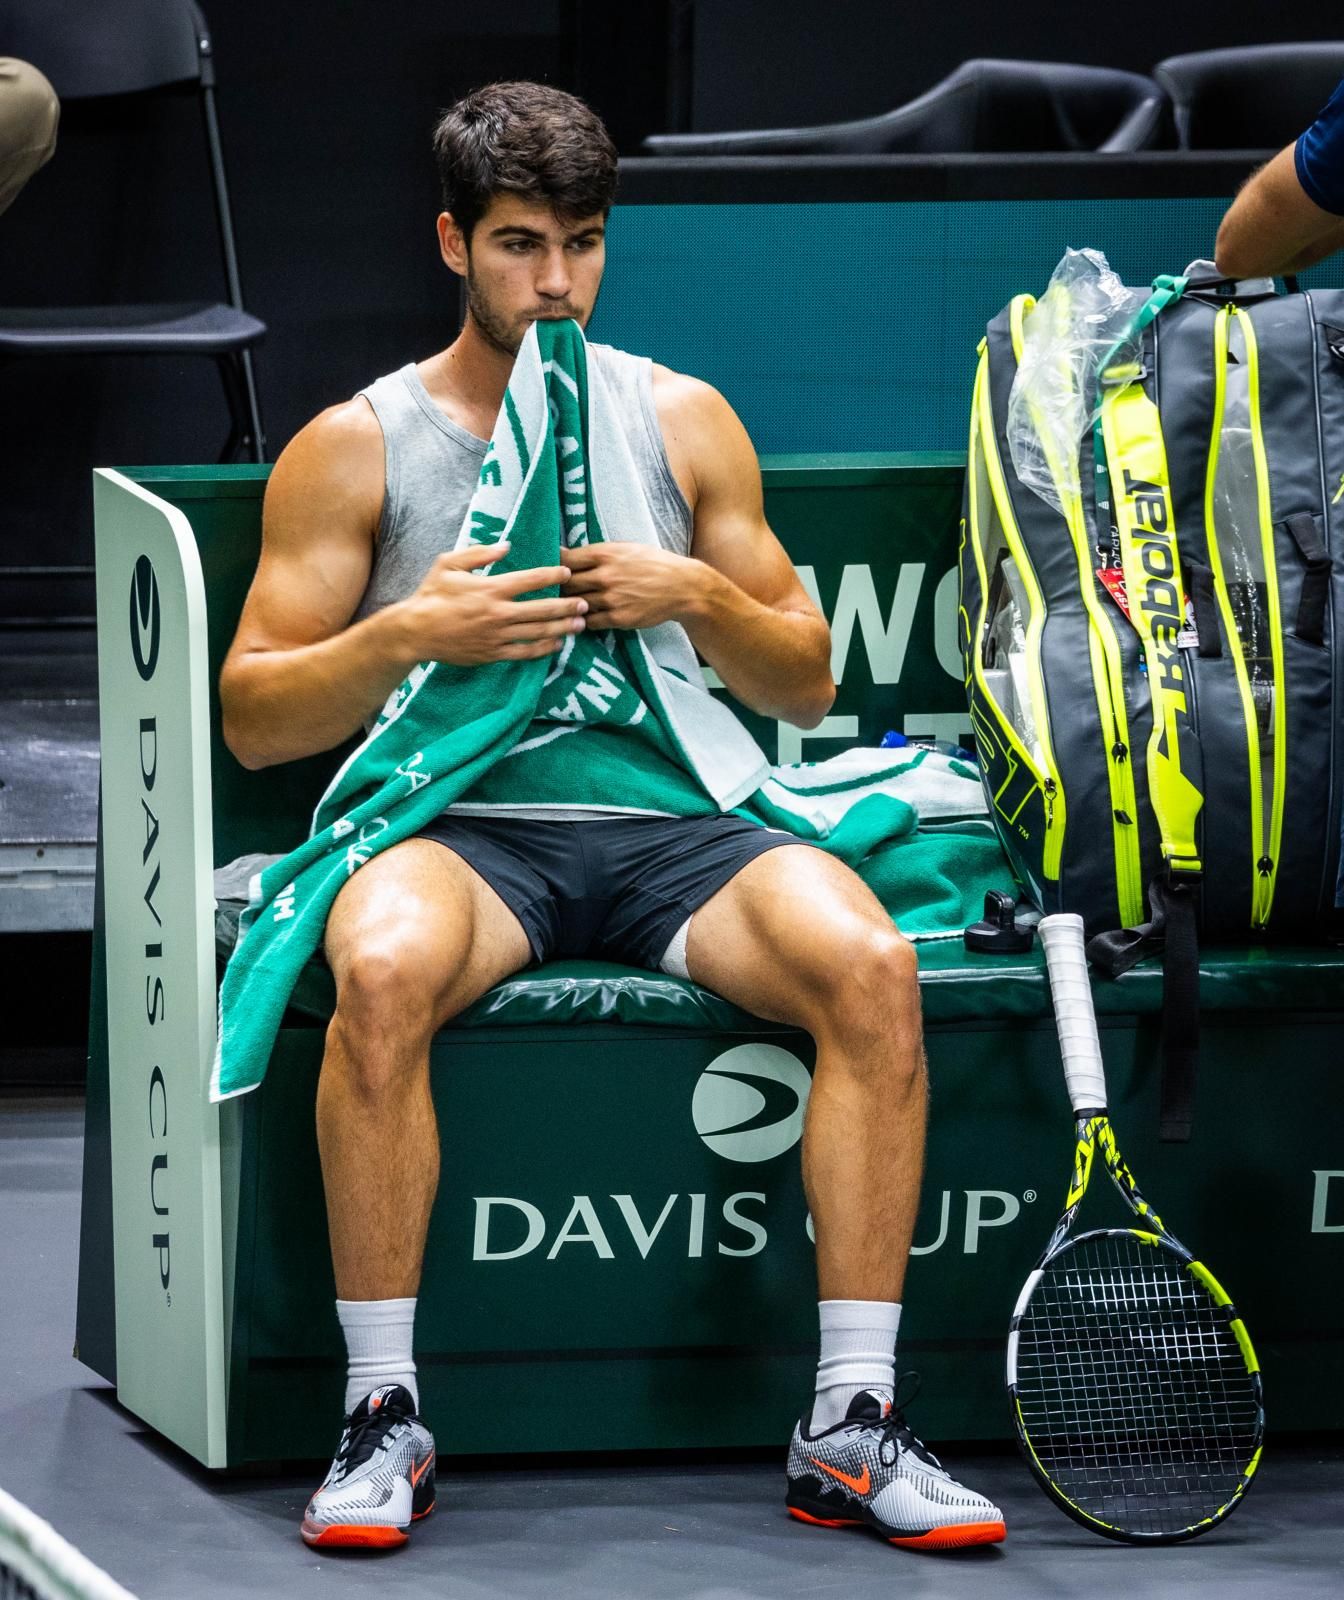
525, 139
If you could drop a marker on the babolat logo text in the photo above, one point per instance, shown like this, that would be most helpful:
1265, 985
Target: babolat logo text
1157, 595
749, 1102
145, 618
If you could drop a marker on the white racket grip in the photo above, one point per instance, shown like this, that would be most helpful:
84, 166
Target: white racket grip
1071, 992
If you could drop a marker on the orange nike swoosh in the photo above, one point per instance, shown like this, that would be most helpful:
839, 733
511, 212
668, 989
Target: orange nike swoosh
419, 1471
859, 1485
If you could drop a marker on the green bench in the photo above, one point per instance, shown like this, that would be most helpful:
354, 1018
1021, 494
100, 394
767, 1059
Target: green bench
608, 1267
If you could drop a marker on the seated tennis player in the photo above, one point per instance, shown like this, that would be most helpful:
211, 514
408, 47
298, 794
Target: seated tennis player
538, 861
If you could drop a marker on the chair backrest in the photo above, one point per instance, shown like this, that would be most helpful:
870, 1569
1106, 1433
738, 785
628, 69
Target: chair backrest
991, 105
89, 48
985, 105
1255, 98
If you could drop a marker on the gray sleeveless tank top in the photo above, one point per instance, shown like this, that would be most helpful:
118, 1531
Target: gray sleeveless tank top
432, 466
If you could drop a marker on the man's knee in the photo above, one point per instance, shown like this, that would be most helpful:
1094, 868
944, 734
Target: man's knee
387, 1006
874, 986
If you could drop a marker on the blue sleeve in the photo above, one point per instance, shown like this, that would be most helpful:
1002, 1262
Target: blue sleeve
1319, 156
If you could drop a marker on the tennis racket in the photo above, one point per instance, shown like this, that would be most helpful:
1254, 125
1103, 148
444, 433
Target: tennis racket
1136, 1392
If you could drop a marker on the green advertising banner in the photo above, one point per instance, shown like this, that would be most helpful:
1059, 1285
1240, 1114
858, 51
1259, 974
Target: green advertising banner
621, 1213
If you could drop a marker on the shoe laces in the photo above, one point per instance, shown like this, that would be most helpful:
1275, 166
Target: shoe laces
895, 1435
363, 1437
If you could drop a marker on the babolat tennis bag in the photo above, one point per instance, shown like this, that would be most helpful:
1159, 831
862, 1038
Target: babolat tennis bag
1151, 615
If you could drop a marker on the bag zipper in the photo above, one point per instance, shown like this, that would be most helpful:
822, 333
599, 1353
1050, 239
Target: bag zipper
1045, 771
1328, 878
1265, 843
1268, 876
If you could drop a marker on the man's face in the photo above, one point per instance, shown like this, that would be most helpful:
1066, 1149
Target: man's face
525, 265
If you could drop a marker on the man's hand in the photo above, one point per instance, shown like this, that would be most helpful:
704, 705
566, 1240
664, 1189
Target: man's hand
461, 618
629, 585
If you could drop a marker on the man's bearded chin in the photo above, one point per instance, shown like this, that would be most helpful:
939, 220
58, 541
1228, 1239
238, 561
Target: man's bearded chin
506, 337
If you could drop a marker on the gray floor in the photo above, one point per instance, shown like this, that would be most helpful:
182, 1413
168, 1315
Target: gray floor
48, 779
165, 1528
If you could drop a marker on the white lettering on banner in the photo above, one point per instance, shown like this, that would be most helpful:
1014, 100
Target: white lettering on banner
582, 1211
1321, 1202
754, 1230
695, 1243
954, 726
856, 601
976, 1221
642, 1236
584, 1226
941, 1240
536, 1228
946, 640
495, 1235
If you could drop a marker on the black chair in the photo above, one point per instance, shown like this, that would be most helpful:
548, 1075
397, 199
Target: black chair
101, 48
1255, 98
984, 106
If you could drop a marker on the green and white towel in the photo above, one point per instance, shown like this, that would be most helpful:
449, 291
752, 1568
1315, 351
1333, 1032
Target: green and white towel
557, 473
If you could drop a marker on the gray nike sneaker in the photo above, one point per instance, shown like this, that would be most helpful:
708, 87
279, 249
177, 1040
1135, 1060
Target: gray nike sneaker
870, 1471
382, 1479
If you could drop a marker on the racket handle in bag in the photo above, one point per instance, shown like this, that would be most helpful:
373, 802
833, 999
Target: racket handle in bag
1071, 994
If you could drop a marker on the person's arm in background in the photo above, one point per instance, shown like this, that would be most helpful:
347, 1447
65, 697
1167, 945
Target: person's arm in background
29, 112
1290, 214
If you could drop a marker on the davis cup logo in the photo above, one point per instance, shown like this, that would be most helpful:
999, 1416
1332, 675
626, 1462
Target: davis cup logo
749, 1102
145, 618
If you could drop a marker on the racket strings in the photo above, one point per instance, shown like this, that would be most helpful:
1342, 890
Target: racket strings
1133, 1390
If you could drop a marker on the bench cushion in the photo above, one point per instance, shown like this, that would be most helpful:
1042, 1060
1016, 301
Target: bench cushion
956, 988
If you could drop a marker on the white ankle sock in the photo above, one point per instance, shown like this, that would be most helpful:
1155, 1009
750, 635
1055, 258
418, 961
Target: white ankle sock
379, 1340
858, 1352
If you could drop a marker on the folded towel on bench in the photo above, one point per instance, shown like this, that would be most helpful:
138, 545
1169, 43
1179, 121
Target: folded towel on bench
557, 471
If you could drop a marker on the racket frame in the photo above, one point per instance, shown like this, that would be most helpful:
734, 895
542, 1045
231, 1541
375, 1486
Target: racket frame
1093, 1132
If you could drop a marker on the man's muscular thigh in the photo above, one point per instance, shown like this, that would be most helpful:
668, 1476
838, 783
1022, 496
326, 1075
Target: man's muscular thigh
416, 935
797, 936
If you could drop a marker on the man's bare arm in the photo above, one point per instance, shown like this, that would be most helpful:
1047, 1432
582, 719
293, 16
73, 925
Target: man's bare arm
1274, 227
749, 616
299, 678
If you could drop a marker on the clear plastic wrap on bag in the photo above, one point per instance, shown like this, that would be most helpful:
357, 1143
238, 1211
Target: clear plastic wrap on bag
1074, 327
1005, 657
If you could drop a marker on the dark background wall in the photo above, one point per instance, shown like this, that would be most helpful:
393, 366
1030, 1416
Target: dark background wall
773, 63
326, 111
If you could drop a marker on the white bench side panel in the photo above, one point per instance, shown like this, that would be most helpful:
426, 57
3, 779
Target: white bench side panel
155, 738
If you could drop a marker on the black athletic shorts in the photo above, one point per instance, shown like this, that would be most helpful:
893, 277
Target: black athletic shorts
611, 889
